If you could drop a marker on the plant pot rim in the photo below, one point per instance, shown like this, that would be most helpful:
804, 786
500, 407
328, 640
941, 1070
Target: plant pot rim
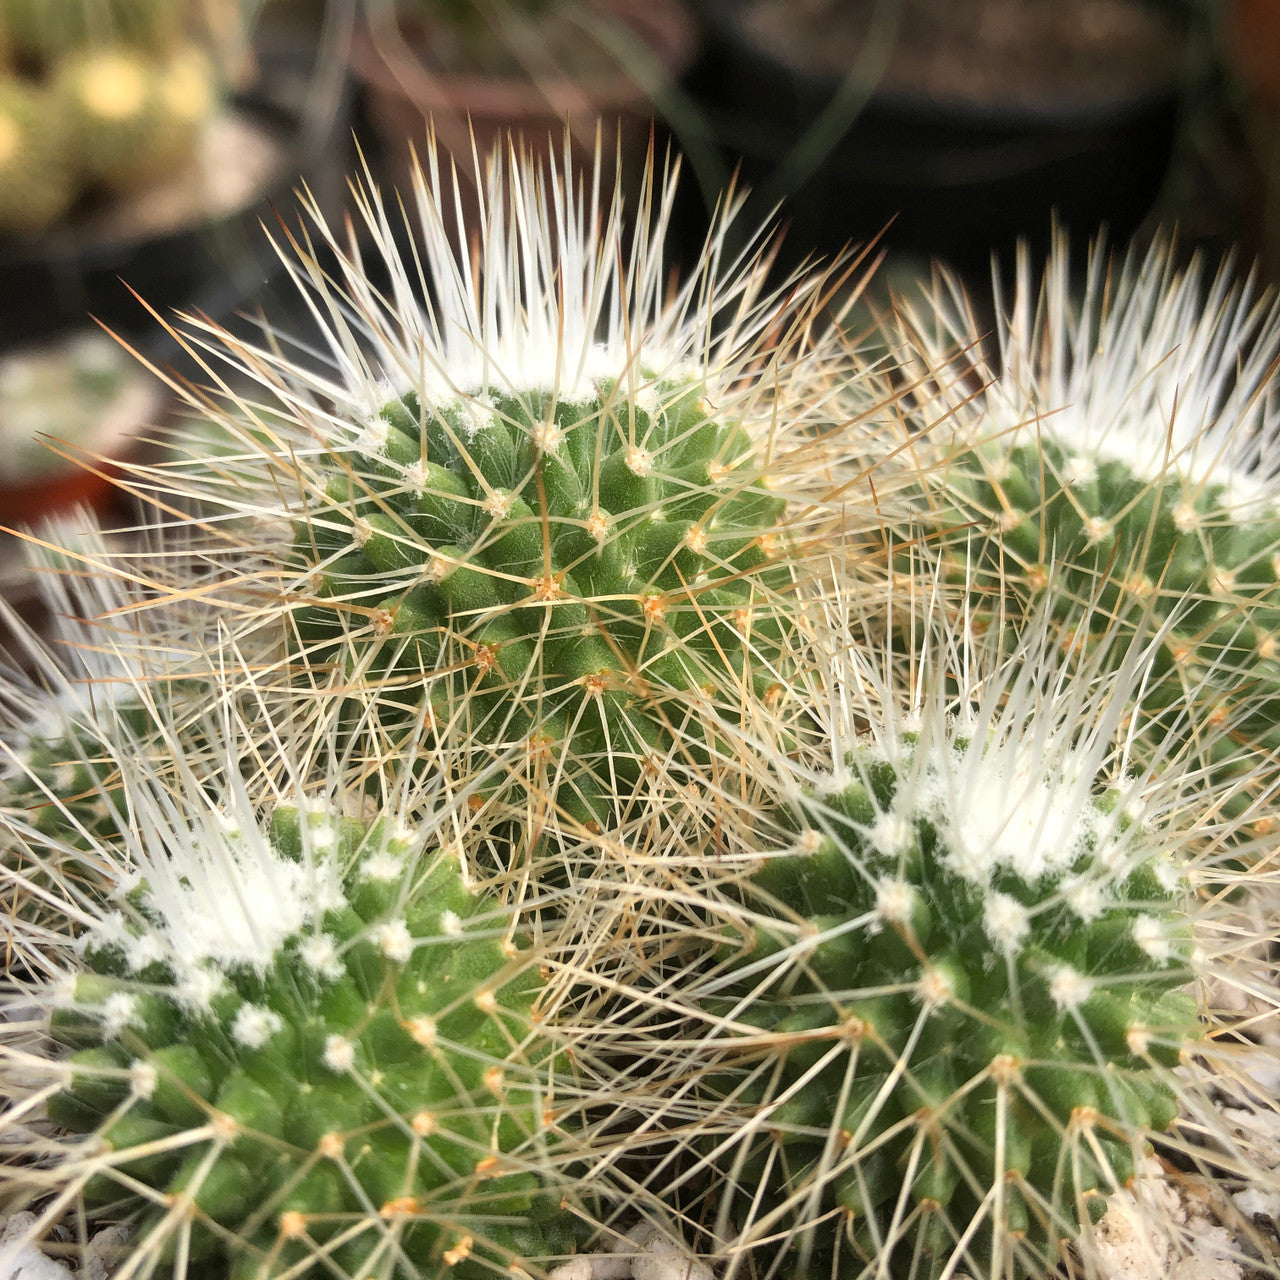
663, 25
1051, 111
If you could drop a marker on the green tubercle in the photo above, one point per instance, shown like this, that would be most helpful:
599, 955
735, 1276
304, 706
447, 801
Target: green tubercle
369, 1090
940, 998
552, 570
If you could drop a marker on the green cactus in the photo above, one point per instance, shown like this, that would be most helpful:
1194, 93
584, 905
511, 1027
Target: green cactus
1121, 448
36, 178
133, 116
349, 1073
548, 518
946, 1016
558, 567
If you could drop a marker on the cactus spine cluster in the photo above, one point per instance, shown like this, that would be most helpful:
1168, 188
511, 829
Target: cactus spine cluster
95, 94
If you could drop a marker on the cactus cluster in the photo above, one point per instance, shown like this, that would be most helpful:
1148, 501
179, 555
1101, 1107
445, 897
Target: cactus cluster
845, 937
95, 95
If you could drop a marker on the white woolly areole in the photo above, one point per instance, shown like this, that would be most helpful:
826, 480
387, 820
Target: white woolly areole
143, 951
382, 867
394, 941
1085, 895
222, 902
1011, 816
197, 988
1006, 922
1069, 987
254, 1025
891, 834
119, 1010
142, 1079
1151, 935
320, 955
339, 1054
373, 433
895, 900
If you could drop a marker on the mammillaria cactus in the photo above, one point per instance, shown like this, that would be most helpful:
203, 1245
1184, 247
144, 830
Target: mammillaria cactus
953, 988
39, 31
36, 183
294, 1037
1124, 442
551, 504
133, 114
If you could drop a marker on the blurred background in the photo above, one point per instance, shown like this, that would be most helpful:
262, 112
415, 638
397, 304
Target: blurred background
150, 149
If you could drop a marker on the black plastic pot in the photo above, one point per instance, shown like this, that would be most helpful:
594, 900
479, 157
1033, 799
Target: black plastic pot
952, 179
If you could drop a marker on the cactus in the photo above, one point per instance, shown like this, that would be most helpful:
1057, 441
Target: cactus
555, 567
304, 1041
36, 182
552, 522
96, 95
1125, 444
950, 997
134, 116
838, 961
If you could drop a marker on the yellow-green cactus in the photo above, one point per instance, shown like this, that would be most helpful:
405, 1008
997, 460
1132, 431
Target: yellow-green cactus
36, 175
134, 117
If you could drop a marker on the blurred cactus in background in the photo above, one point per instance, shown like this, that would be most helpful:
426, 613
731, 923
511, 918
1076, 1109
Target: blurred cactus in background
96, 95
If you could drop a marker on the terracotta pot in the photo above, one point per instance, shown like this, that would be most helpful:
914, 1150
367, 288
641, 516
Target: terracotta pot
404, 95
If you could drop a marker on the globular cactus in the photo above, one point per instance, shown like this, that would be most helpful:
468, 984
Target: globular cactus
550, 508
134, 115
946, 1015
96, 95
1121, 445
302, 1042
